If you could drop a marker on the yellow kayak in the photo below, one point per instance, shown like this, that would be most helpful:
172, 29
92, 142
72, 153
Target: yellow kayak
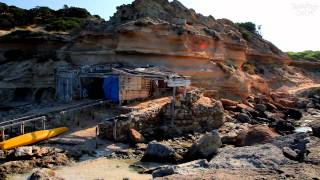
31, 138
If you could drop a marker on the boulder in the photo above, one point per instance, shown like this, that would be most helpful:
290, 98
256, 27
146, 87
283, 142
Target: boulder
244, 118
283, 126
23, 151
228, 102
287, 103
298, 142
302, 103
2, 154
205, 147
256, 135
158, 152
257, 156
189, 166
293, 114
44, 174
163, 171
271, 107
135, 136
261, 107
242, 106
291, 154
316, 129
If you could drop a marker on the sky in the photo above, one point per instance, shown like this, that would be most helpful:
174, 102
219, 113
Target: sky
292, 25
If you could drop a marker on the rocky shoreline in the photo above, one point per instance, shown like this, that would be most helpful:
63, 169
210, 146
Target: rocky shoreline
259, 137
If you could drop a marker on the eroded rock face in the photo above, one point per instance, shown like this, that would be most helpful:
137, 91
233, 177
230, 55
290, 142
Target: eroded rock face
147, 32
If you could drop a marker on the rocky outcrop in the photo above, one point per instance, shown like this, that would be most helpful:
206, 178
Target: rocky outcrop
193, 113
261, 158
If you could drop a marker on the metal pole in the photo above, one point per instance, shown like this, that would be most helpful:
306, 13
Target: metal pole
22, 128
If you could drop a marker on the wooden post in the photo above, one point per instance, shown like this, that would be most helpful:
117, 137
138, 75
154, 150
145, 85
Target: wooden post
78, 120
80, 87
119, 91
172, 106
11, 128
97, 133
115, 130
185, 92
92, 114
3, 134
34, 125
22, 128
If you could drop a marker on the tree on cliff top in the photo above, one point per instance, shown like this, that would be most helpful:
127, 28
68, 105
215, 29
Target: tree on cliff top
63, 19
305, 55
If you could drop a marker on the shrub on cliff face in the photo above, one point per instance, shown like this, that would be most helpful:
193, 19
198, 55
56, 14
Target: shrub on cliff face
248, 29
249, 68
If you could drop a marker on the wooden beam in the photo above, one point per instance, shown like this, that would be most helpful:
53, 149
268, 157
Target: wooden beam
172, 106
3, 134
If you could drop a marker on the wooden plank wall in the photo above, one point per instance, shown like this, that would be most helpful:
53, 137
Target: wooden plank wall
134, 88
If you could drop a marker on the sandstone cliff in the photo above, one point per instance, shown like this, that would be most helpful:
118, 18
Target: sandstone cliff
216, 53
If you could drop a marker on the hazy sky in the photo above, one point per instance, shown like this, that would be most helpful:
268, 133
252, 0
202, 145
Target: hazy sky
292, 25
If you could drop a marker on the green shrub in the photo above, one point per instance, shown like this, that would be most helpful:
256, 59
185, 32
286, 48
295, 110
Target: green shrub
41, 14
305, 55
249, 26
6, 24
64, 24
73, 12
245, 35
64, 19
18, 54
